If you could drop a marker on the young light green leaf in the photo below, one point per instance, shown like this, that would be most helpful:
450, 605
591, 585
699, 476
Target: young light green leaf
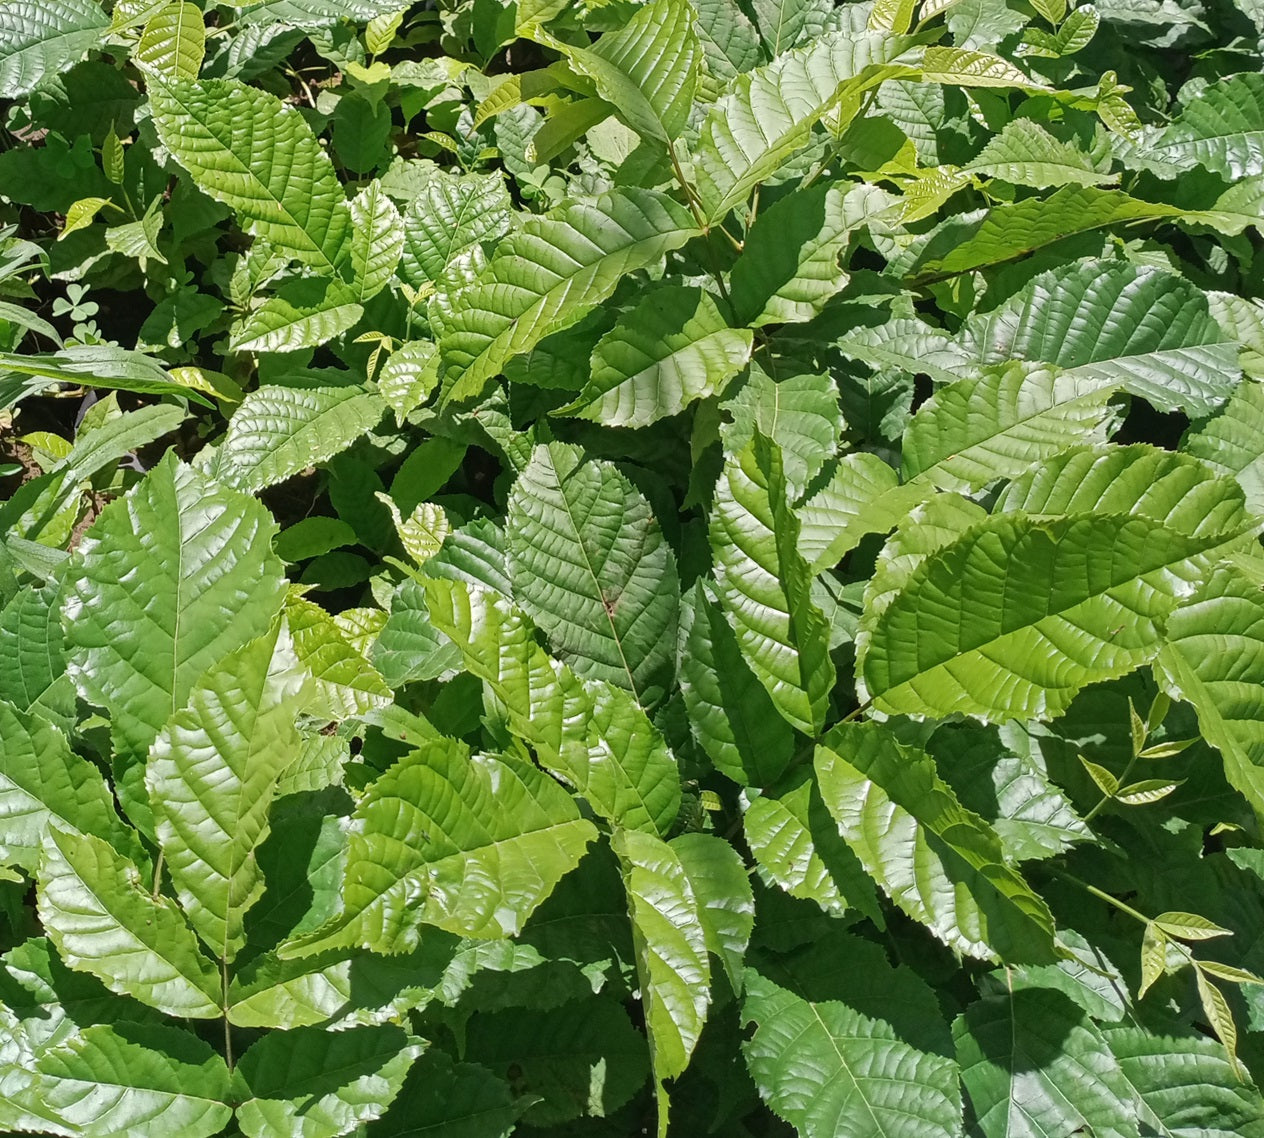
277, 431
343, 683
721, 886
591, 568
673, 348
172, 578
95, 909
137, 1079
173, 42
940, 863
763, 584
551, 272
833, 1072
247, 149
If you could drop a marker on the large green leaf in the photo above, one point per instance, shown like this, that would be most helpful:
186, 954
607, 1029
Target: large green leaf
278, 431
721, 886
247, 149
471, 845
212, 775
551, 272
673, 348
43, 37
311, 1083
103, 920
1034, 1063
671, 953
1213, 656
448, 216
763, 585
170, 579
1223, 129
1017, 615
1233, 441
1182, 1083
769, 114
1142, 329
590, 566
730, 714
974, 431
833, 1072
797, 846
43, 783
940, 863
140, 1080
590, 733
647, 69
1025, 153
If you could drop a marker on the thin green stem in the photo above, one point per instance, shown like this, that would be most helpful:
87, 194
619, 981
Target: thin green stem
1107, 798
158, 862
228, 1027
1101, 895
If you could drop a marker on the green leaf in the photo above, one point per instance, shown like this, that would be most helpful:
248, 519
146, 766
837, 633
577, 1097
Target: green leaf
799, 413
306, 315
1034, 1060
591, 734
377, 240
409, 376
1018, 615
1183, 1083
763, 585
471, 845
590, 566
797, 846
940, 863
647, 69
548, 274
136, 1079
345, 684
832, 1072
173, 42
731, 716
31, 643
1229, 441
452, 1100
785, 24
248, 150
721, 886
728, 39
671, 953
39, 39
312, 1083
1213, 656
448, 216
170, 579
751, 132
211, 776
1139, 328
103, 920
44, 784
789, 269
672, 349
1026, 154
278, 431
977, 430
409, 647
1222, 130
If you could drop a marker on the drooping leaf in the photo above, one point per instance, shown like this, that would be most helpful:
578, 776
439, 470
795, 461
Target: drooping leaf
1028, 612
278, 431
590, 566
1034, 1061
103, 920
671, 951
136, 1079
591, 734
212, 775
763, 585
247, 149
171, 578
551, 272
673, 348
312, 1083
833, 1072
42, 38
941, 864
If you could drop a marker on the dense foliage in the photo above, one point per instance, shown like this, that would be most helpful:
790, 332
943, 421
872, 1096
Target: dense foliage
642, 566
